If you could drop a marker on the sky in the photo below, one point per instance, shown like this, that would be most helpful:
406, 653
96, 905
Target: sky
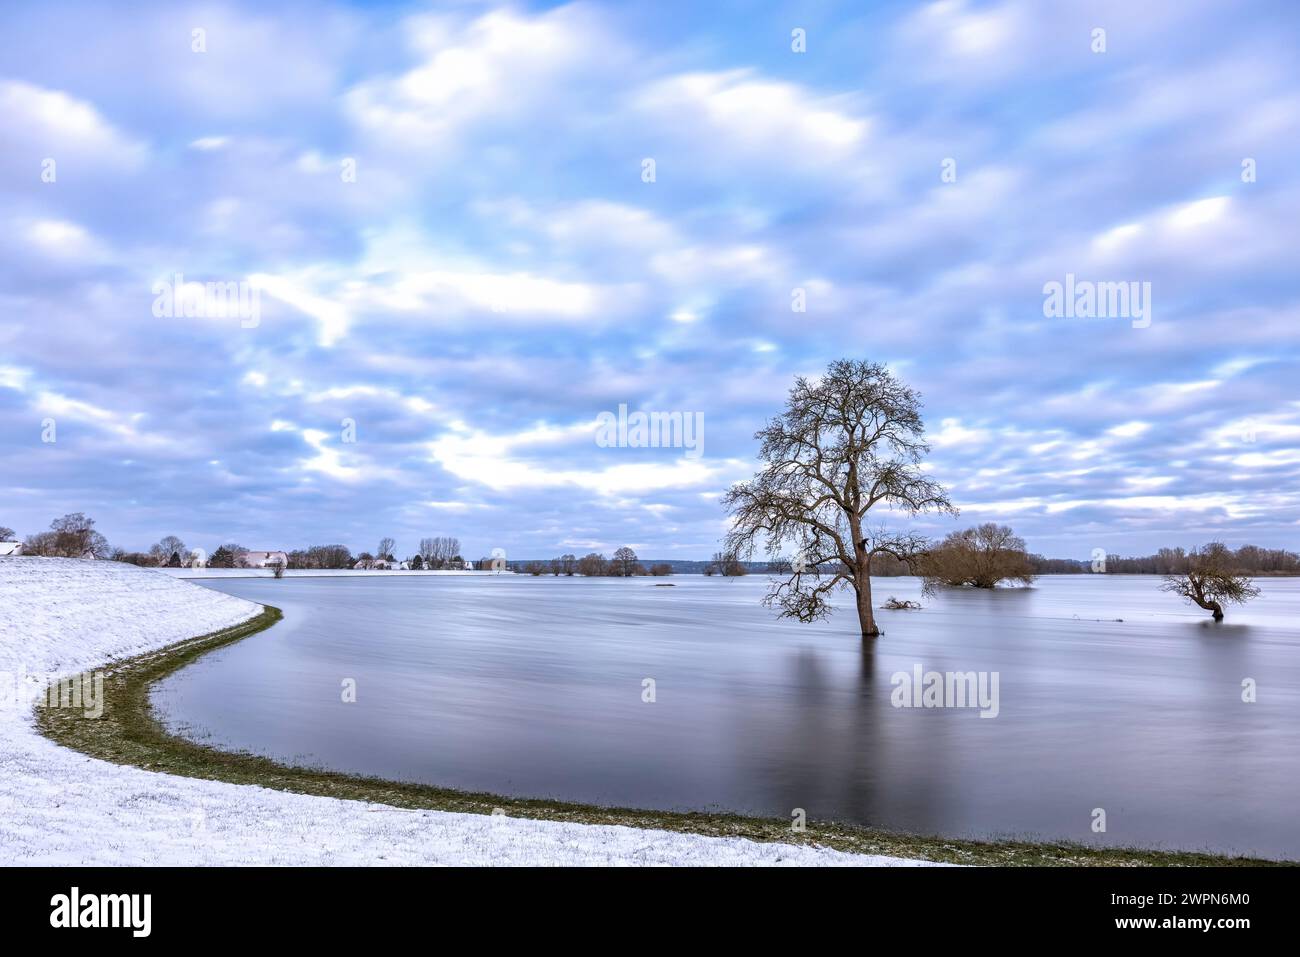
453, 257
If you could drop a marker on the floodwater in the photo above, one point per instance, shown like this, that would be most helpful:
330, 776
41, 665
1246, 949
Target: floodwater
537, 687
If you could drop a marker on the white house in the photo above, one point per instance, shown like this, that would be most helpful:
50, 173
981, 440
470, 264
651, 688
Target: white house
264, 559
11, 548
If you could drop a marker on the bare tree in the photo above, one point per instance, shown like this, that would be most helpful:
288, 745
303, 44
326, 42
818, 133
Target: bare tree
625, 562
386, 546
846, 443
72, 536
167, 547
726, 564
8, 534
568, 564
439, 551
981, 556
592, 565
328, 556
1211, 579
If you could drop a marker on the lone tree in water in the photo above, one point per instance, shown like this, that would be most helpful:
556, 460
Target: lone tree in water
981, 557
846, 443
1210, 580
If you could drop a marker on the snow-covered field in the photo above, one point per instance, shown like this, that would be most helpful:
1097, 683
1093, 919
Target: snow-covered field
60, 807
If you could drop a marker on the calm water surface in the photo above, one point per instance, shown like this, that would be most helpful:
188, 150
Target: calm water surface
533, 687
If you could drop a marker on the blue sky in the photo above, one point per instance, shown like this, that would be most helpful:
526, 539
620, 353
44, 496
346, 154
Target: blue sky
498, 272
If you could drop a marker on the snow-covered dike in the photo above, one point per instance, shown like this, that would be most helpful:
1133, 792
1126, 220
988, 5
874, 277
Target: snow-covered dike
60, 807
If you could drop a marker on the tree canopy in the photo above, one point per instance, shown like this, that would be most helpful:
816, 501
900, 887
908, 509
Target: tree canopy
848, 442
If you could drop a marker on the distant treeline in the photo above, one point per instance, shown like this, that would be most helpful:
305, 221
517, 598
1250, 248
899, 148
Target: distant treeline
1248, 559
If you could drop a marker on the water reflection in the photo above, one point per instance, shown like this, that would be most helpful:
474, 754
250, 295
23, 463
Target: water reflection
533, 687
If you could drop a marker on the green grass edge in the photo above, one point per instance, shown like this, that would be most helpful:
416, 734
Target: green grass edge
129, 733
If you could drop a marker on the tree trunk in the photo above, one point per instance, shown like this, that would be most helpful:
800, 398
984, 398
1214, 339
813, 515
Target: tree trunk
866, 617
1210, 606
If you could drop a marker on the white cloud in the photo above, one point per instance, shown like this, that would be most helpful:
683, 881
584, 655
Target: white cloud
500, 65
63, 240
332, 317
1198, 213
50, 123
1129, 430
737, 110
501, 462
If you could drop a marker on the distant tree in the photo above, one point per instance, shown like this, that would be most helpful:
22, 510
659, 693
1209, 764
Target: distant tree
366, 560
386, 546
535, 569
329, 556
41, 543
1211, 579
624, 563
847, 442
727, 564
8, 534
441, 551
165, 548
417, 563
557, 567
569, 564
592, 565
277, 569
981, 557
660, 569
72, 536
227, 556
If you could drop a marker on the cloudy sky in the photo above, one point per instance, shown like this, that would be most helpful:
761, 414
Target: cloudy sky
457, 260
